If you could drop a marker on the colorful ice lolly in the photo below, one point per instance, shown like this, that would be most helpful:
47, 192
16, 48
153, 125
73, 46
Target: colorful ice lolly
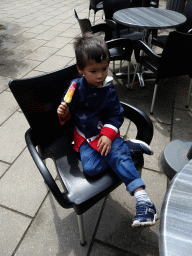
70, 92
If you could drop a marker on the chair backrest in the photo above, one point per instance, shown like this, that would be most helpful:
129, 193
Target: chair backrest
85, 24
111, 6
188, 13
39, 98
176, 56
176, 5
144, 3
93, 3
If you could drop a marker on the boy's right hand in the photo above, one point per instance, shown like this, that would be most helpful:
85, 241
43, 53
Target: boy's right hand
62, 110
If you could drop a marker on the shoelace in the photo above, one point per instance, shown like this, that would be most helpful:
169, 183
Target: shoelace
140, 209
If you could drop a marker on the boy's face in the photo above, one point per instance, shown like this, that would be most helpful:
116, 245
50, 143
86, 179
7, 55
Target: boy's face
95, 73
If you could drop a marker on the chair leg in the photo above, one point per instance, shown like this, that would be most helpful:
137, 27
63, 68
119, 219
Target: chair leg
134, 76
81, 230
113, 67
153, 100
94, 19
189, 94
89, 14
128, 75
120, 65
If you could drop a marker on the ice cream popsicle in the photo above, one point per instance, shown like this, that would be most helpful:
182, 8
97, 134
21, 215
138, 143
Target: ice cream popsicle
70, 92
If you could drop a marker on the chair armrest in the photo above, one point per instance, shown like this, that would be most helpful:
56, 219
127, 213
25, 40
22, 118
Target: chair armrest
114, 27
59, 196
125, 43
141, 120
141, 46
103, 27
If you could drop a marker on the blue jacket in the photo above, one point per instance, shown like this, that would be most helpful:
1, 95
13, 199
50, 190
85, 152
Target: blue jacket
97, 111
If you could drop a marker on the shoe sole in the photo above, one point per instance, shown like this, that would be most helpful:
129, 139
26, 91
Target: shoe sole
138, 224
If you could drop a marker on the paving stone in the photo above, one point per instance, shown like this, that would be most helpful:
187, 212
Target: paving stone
55, 231
71, 32
67, 51
160, 140
53, 63
182, 123
38, 29
12, 56
31, 44
31, 24
48, 35
58, 42
12, 228
19, 68
12, 137
33, 73
44, 17
4, 83
52, 22
24, 19
24, 185
65, 16
3, 168
182, 93
115, 226
41, 54
62, 26
100, 249
8, 105
142, 97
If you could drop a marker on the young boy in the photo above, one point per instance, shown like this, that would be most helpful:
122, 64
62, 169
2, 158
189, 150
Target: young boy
98, 116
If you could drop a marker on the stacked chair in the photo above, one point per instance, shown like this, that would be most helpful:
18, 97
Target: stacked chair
171, 63
160, 40
95, 5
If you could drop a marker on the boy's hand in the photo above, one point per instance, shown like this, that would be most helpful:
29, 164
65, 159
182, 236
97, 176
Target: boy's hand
62, 110
104, 145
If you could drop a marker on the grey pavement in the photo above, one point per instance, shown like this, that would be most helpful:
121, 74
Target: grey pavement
36, 37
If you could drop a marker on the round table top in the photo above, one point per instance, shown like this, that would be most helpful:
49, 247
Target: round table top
148, 17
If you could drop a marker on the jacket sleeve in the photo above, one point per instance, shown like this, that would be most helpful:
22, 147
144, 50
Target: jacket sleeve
113, 116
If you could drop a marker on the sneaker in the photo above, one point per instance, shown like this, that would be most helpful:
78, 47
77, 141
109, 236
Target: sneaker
138, 146
145, 215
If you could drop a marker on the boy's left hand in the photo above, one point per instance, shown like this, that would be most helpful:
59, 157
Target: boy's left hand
104, 145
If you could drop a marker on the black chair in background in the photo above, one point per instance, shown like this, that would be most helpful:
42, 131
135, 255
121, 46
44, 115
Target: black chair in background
85, 26
173, 62
38, 98
179, 6
120, 49
95, 5
176, 5
120, 31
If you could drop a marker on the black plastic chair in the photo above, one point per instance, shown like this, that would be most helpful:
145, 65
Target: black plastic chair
120, 31
160, 40
120, 49
173, 62
38, 98
95, 5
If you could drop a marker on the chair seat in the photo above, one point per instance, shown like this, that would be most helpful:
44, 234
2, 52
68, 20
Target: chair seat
159, 41
116, 53
99, 6
80, 187
132, 36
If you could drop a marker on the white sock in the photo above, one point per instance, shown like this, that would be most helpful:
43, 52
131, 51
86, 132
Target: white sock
141, 196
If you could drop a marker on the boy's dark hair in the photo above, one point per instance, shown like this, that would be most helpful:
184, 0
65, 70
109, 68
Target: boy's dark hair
90, 47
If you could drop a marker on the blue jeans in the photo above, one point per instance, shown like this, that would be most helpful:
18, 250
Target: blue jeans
119, 159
